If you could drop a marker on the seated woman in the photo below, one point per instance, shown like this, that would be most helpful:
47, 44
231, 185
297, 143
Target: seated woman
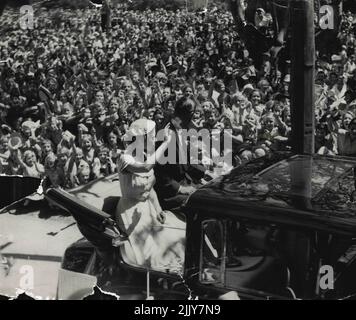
156, 238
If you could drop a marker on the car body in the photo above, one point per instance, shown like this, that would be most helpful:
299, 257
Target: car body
278, 227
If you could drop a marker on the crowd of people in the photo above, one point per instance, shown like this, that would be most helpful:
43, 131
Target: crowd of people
71, 86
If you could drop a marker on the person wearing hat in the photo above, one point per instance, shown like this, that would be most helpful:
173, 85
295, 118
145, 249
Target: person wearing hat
155, 237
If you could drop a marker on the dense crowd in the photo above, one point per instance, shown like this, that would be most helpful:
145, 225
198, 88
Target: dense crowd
69, 89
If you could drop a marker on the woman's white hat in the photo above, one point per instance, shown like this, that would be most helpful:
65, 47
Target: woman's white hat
140, 127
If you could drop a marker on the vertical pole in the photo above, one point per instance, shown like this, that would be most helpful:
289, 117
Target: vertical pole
302, 98
302, 76
148, 284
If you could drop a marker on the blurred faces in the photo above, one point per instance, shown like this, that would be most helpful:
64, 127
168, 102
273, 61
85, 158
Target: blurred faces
4, 144
50, 162
67, 110
86, 113
211, 117
114, 107
255, 98
166, 93
103, 155
179, 94
47, 148
127, 86
62, 159
112, 139
99, 97
347, 120
29, 158
84, 176
207, 106
188, 92
26, 132
239, 104
87, 144
78, 154
269, 123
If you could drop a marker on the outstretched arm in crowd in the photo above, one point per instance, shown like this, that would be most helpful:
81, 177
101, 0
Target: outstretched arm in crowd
283, 128
211, 88
26, 168
96, 142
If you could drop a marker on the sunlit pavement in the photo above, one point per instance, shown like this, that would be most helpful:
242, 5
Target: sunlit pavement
32, 242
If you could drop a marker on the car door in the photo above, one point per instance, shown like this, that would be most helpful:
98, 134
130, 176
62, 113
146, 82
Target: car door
250, 259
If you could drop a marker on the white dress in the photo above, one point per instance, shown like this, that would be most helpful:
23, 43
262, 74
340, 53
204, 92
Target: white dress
150, 244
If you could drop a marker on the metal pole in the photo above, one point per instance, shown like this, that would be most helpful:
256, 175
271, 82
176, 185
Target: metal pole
302, 76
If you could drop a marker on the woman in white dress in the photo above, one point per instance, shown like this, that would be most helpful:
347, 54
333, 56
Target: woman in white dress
156, 238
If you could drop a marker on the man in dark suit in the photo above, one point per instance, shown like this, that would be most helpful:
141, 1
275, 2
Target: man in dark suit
176, 181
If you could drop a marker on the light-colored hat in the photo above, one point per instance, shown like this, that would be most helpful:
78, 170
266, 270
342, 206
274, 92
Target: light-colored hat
335, 58
141, 127
247, 86
15, 141
29, 124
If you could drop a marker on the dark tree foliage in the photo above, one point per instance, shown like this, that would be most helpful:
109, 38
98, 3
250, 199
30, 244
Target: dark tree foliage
67, 4
156, 4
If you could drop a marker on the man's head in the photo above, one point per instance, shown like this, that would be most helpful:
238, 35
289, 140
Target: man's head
183, 112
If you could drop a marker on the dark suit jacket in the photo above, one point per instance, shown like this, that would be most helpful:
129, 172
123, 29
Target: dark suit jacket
170, 177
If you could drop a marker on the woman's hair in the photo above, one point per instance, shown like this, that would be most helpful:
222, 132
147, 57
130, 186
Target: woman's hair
187, 86
4, 139
46, 141
212, 111
50, 157
262, 82
83, 168
199, 109
87, 137
254, 91
267, 116
63, 150
28, 153
238, 96
102, 149
69, 105
348, 113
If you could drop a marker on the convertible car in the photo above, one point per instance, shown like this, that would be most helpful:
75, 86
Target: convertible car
267, 230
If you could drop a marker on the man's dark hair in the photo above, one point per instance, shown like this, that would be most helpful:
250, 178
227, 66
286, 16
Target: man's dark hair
184, 109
